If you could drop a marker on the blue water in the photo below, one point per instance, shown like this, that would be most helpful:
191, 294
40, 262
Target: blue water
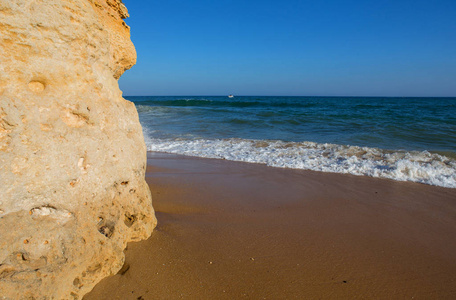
212, 126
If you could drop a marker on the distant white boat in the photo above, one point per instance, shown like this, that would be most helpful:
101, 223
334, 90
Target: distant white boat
230, 96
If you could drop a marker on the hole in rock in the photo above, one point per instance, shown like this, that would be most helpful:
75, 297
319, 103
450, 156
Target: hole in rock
76, 282
129, 219
106, 229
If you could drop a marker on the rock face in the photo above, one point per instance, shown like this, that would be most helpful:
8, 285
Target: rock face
72, 154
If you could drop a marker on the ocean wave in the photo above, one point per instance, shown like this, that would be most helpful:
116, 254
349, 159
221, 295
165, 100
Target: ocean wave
423, 167
144, 108
160, 110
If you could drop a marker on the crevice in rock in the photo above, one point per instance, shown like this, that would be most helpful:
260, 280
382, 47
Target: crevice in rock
106, 228
129, 219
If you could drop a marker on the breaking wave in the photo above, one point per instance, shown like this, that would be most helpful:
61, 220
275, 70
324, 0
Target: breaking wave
415, 166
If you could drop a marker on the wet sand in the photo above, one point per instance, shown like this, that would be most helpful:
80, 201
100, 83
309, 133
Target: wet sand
231, 230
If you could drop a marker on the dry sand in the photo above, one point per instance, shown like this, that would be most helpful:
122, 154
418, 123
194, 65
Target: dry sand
231, 230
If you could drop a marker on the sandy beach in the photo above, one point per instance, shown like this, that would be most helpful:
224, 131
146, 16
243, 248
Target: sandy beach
229, 230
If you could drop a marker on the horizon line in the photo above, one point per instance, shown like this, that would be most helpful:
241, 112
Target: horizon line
224, 95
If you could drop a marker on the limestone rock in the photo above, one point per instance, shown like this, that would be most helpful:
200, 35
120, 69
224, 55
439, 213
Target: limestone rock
72, 154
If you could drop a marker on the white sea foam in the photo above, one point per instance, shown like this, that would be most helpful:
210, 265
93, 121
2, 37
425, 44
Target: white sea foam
144, 108
423, 167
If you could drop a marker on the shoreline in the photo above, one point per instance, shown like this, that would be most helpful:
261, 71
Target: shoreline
425, 167
235, 230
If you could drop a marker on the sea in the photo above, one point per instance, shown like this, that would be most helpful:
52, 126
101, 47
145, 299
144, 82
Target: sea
404, 139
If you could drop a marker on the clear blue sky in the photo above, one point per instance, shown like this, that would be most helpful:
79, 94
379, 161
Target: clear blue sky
291, 47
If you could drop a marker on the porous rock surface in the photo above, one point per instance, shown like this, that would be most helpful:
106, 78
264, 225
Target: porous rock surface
72, 154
